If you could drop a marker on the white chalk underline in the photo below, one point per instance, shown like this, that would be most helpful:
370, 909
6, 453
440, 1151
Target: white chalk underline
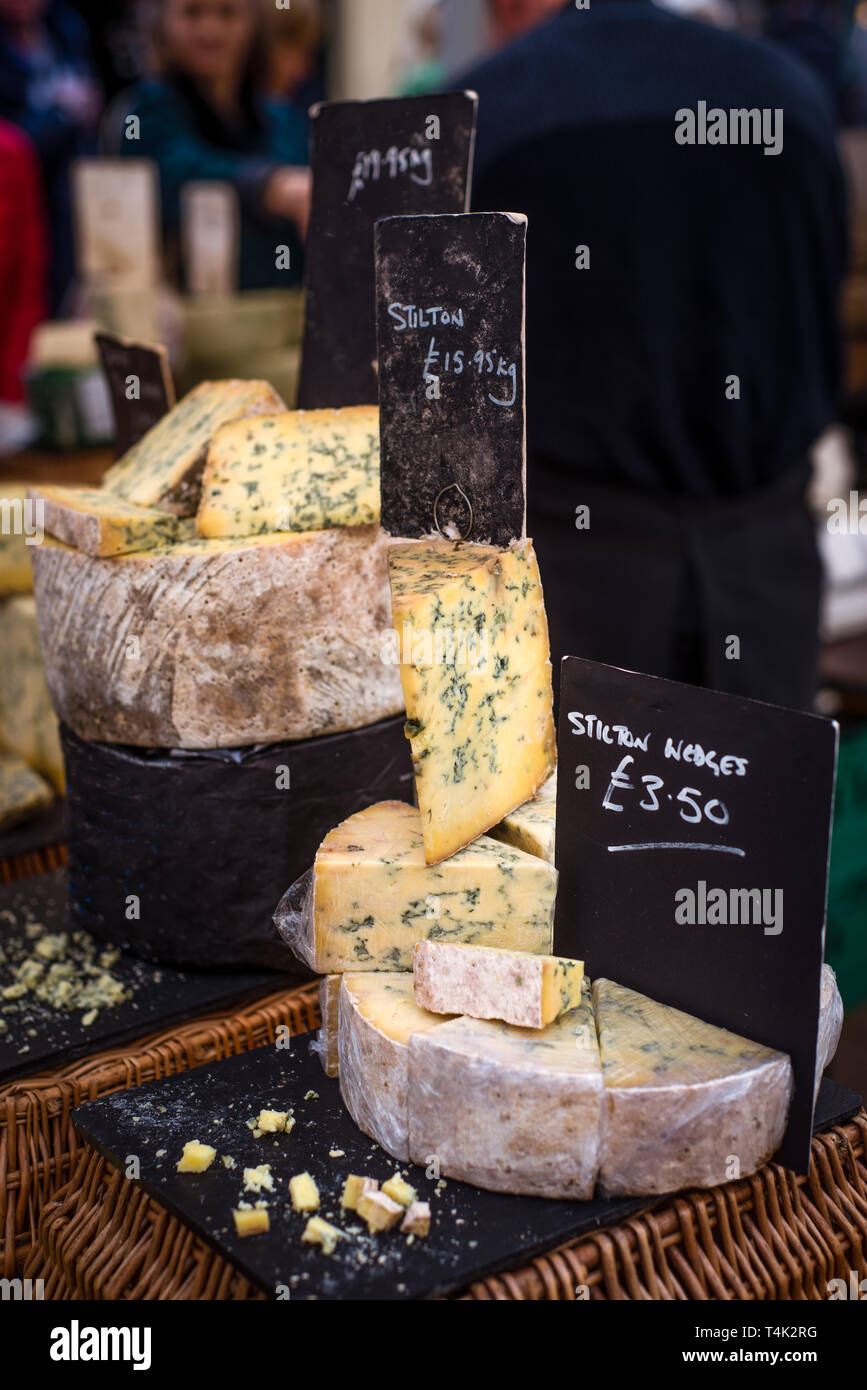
678, 844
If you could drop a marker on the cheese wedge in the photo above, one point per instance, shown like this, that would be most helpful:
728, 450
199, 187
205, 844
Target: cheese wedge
28, 724
509, 1109
304, 470
476, 674
687, 1104
326, 1041
370, 896
378, 1015
532, 827
23, 793
101, 524
15, 573
219, 643
164, 468
529, 991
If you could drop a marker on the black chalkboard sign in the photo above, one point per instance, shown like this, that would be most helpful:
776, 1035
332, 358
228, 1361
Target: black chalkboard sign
370, 159
140, 384
450, 326
692, 843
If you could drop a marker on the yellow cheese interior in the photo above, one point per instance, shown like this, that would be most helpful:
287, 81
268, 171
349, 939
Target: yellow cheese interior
386, 1000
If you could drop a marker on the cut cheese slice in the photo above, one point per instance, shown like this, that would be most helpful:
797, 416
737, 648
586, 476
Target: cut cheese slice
326, 1042
476, 675
220, 643
371, 896
509, 1109
101, 524
532, 827
378, 1015
23, 793
304, 470
28, 724
164, 468
15, 573
529, 991
687, 1104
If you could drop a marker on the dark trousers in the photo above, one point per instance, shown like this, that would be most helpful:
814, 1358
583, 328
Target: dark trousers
723, 594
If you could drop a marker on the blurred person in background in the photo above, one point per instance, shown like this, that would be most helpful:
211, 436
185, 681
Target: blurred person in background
22, 279
205, 117
293, 46
679, 368
424, 70
47, 88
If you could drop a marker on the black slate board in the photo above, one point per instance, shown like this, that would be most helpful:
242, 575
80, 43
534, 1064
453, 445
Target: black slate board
161, 996
450, 329
351, 189
756, 816
140, 383
473, 1233
47, 829
208, 842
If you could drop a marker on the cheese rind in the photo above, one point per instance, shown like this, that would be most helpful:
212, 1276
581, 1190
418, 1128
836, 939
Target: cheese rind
378, 1015
528, 991
164, 468
100, 523
23, 793
28, 724
371, 896
509, 1109
326, 1039
683, 1098
304, 470
476, 675
218, 644
830, 1022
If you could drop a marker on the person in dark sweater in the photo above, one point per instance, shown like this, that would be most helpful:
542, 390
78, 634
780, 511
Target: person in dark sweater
682, 340
205, 118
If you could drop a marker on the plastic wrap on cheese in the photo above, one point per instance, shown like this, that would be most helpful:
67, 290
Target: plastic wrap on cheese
830, 1022
294, 918
324, 1045
687, 1104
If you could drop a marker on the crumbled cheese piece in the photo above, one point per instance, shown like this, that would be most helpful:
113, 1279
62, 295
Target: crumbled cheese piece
336, 1153
311, 1095
258, 1179
228, 1161
399, 1191
304, 1192
416, 1222
160, 1153
274, 1121
196, 1157
251, 1221
354, 1188
319, 1232
379, 1211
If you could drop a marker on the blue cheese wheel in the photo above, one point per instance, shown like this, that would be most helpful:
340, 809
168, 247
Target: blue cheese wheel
23, 793
28, 723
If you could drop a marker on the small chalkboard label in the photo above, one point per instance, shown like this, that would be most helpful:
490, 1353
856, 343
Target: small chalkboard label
140, 383
450, 325
692, 843
370, 159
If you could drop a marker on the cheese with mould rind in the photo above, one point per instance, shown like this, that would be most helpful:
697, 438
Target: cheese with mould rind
378, 1016
304, 470
528, 991
683, 1098
28, 723
372, 896
164, 468
509, 1109
219, 644
472, 639
99, 523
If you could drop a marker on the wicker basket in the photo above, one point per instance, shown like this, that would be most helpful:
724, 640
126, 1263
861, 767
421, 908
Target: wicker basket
773, 1236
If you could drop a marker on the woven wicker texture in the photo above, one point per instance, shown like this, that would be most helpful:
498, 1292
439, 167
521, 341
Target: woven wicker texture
38, 1144
773, 1236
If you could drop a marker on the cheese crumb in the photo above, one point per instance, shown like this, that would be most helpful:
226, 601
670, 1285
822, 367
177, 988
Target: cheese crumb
416, 1222
311, 1095
196, 1157
304, 1192
258, 1179
354, 1188
274, 1122
379, 1211
251, 1221
228, 1161
399, 1191
319, 1232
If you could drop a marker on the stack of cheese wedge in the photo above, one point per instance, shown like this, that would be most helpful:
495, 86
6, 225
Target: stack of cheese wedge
226, 586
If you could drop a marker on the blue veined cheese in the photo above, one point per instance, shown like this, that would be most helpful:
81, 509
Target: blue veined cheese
28, 724
476, 674
371, 896
529, 991
378, 1016
509, 1109
533, 826
304, 470
99, 523
164, 468
687, 1104
23, 793
15, 573
218, 643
